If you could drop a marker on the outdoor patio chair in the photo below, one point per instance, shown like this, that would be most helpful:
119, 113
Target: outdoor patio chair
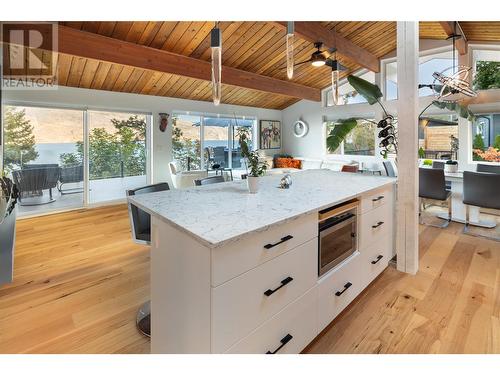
70, 175
31, 183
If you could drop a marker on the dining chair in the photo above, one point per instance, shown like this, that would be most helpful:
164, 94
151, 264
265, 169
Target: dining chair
389, 168
432, 188
349, 168
440, 165
140, 222
488, 168
209, 180
480, 190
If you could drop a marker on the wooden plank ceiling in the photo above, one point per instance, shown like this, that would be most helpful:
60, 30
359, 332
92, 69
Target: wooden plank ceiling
257, 47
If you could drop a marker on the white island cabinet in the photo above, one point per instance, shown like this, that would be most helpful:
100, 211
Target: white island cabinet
233, 272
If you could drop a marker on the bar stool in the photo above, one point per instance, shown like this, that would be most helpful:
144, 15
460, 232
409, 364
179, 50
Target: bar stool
432, 187
140, 221
481, 190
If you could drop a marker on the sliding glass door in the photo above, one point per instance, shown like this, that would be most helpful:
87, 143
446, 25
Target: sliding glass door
209, 142
117, 154
70, 158
43, 154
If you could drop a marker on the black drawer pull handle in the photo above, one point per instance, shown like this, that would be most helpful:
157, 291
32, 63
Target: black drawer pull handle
285, 340
346, 286
378, 198
378, 224
283, 283
378, 259
284, 239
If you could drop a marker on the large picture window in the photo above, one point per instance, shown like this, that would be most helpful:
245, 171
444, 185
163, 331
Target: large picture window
200, 142
360, 141
486, 69
428, 64
486, 138
47, 153
347, 94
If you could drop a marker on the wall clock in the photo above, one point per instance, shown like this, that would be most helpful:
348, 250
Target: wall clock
300, 128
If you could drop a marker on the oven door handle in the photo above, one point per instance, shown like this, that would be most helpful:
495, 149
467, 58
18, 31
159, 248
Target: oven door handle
340, 292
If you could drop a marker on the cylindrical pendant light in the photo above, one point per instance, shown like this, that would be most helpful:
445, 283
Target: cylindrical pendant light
216, 45
335, 86
289, 49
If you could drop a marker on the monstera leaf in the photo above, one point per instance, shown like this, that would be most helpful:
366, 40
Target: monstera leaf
339, 132
462, 110
367, 90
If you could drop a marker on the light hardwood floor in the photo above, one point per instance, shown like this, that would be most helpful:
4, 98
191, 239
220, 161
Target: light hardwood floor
79, 280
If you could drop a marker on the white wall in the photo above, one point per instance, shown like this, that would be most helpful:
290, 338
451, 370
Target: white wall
98, 99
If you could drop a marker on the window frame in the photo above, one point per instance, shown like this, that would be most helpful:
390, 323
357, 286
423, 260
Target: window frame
203, 115
422, 54
85, 127
342, 144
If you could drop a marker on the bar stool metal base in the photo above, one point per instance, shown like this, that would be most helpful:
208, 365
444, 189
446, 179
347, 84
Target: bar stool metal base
447, 218
143, 319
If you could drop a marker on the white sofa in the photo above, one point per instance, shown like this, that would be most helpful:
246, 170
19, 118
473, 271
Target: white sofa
309, 163
184, 179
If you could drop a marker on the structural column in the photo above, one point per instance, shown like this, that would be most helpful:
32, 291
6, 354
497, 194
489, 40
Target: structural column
407, 189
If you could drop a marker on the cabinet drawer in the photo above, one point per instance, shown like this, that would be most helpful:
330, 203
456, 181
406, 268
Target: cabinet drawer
288, 332
375, 259
249, 252
245, 302
374, 225
338, 288
376, 198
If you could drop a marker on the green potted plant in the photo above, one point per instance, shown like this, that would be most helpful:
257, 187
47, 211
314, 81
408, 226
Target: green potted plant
255, 168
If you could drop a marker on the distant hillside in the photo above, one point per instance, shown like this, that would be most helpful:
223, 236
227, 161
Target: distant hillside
66, 126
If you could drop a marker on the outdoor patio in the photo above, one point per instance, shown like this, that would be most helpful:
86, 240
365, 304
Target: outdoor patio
103, 190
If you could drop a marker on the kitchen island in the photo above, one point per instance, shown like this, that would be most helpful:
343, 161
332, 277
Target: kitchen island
233, 272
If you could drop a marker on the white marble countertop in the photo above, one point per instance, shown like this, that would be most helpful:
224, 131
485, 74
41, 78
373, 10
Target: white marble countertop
221, 213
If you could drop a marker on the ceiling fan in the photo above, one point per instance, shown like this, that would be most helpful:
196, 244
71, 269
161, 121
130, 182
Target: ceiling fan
319, 57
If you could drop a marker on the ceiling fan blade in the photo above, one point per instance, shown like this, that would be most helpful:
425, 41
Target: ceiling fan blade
295, 65
301, 63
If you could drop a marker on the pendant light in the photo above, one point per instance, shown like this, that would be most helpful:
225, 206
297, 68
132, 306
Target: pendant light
289, 49
453, 87
216, 46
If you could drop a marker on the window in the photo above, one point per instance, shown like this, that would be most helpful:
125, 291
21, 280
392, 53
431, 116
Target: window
42, 147
117, 154
347, 93
427, 66
486, 69
45, 155
360, 141
217, 134
186, 141
486, 138
438, 137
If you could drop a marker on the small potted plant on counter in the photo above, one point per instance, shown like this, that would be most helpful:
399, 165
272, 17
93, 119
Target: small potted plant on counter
451, 166
255, 168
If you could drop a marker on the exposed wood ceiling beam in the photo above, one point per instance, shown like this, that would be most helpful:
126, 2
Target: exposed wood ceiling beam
449, 29
315, 32
93, 46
